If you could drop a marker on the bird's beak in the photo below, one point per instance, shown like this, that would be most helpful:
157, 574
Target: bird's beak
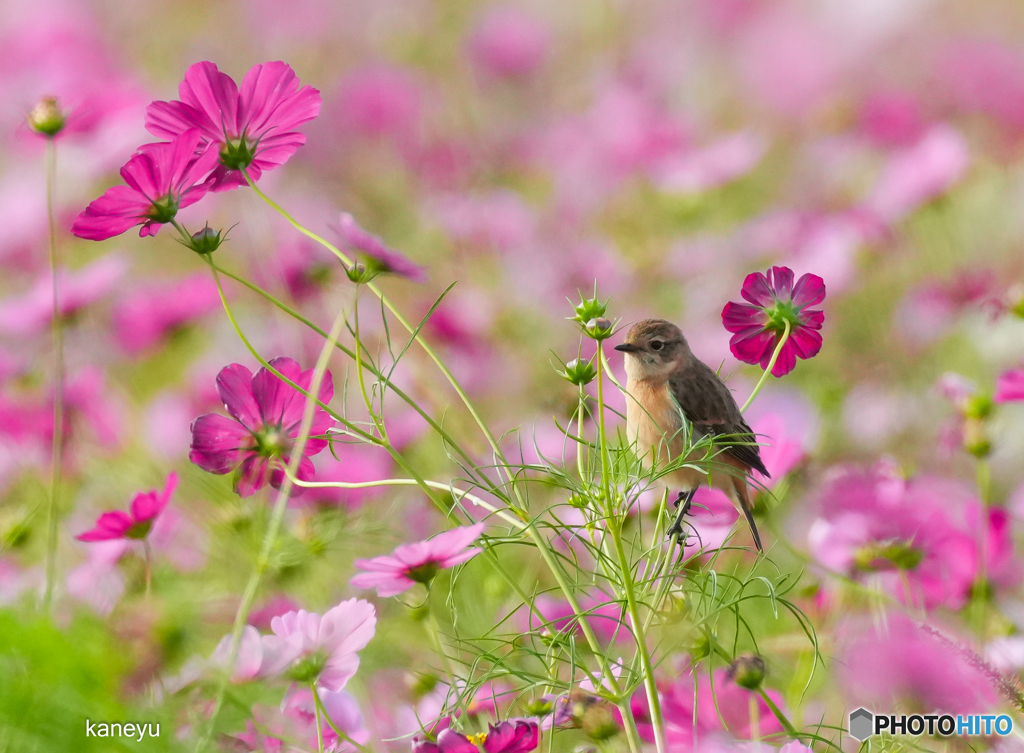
627, 348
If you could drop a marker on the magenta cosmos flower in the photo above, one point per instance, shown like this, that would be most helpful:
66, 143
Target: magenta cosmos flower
375, 256
136, 523
1010, 386
774, 300
251, 128
258, 438
511, 736
309, 647
162, 178
416, 563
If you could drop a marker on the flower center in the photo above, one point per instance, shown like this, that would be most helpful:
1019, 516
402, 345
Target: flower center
237, 154
780, 313
423, 573
885, 555
308, 668
478, 739
270, 443
139, 530
163, 209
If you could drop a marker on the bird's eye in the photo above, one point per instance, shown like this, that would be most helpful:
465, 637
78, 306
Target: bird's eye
657, 345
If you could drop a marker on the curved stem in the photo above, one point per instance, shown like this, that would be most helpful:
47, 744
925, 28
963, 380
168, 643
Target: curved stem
768, 369
342, 735
148, 552
57, 449
277, 516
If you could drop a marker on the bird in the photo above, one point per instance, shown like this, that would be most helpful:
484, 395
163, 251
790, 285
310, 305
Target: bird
667, 382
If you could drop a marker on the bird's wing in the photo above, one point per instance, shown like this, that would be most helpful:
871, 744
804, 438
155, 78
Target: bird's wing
710, 407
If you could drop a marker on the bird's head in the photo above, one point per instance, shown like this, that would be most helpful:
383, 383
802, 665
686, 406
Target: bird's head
654, 348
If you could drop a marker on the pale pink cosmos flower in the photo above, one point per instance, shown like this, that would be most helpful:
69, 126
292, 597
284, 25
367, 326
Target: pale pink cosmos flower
419, 562
914, 664
31, 313
722, 161
250, 128
137, 522
266, 416
380, 101
340, 707
249, 659
97, 581
153, 310
919, 173
161, 179
509, 42
322, 649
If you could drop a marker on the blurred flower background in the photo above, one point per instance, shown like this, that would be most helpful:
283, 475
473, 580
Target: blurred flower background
526, 151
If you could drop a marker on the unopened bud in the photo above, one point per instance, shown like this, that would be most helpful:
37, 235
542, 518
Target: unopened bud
701, 648
599, 329
543, 706
747, 671
206, 241
421, 684
360, 273
978, 405
589, 308
578, 501
47, 118
579, 372
976, 439
598, 723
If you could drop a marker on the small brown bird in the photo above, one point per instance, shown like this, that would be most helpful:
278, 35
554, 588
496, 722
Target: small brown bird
667, 382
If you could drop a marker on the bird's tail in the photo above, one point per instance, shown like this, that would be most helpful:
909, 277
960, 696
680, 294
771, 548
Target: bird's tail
742, 494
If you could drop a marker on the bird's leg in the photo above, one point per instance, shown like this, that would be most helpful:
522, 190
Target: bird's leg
676, 529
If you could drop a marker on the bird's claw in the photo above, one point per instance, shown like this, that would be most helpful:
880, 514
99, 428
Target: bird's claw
676, 529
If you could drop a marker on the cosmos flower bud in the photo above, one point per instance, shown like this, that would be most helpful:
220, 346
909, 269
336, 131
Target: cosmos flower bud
207, 240
976, 439
589, 308
599, 329
541, 707
578, 501
421, 684
701, 648
747, 671
598, 723
579, 372
47, 118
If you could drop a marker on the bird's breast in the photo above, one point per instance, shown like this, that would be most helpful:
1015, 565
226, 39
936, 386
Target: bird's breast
653, 421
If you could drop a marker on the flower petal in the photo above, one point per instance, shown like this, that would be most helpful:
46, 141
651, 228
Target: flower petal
234, 384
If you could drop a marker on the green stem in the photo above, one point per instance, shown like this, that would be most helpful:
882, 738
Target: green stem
777, 713
768, 369
57, 327
277, 516
330, 723
650, 685
316, 713
540, 542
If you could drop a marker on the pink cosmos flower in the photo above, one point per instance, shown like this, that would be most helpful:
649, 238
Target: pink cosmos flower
511, 736
32, 312
509, 42
914, 664
162, 178
875, 524
251, 128
727, 704
919, 173
374, 253
419, 562
98, 582
1010, 386
153, 310
342, 709
135, 524
757, 327
380, 101
266, 414
249, 659
310, 647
